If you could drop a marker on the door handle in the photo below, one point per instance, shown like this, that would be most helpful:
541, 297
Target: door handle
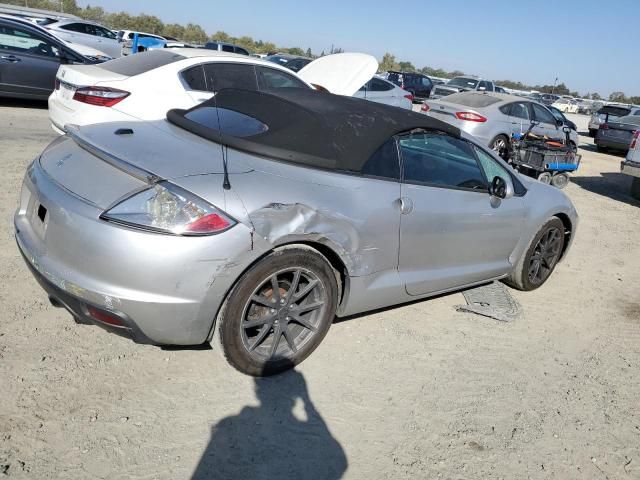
10, 58
406, 205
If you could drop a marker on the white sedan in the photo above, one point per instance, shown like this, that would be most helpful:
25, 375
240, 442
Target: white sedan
146, 85
383, 91
565, 105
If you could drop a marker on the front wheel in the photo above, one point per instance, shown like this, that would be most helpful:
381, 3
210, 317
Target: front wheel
278, 312
540, 259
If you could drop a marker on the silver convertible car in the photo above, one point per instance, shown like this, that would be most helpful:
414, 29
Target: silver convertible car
257, 217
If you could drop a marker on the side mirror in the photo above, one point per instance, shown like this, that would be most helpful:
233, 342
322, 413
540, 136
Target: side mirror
498, 187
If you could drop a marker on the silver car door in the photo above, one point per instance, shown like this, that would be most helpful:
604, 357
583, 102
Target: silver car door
452, 232
546, 123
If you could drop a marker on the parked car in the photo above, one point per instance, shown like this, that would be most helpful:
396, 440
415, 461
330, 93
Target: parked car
292, 62
226, 47
494, 117
146, 85
125, 37
420, 86
383, 91
549, 99
87, 33
617, 134
30, 58
610, 113
257, 217
631, 165
560, 116
462, 84
566, 106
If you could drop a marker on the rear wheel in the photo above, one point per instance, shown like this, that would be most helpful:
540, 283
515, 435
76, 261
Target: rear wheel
278, 312
540, 259
592, 132
500, 145
602, 149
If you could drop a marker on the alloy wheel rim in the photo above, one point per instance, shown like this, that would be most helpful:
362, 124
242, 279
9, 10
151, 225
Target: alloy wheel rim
545, 255
283, 314
499, 145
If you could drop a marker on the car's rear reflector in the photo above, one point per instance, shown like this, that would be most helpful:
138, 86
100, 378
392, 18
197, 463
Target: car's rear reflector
100, 96
105, 317
470, 117
604, 126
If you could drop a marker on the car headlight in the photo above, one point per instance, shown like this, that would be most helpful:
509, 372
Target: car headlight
167, 208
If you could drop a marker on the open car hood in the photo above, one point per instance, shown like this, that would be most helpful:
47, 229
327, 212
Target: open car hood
340, 73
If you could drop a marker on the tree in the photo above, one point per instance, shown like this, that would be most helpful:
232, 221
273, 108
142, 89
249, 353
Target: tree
173, 30
95, 14
388, 63
618, 97
308, 53
296, 51
194, 34
221, 36
406, 67
149, 24
596, 96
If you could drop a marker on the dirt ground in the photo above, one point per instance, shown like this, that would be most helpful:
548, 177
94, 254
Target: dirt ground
418, 391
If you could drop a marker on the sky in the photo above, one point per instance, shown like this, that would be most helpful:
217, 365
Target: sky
590, 45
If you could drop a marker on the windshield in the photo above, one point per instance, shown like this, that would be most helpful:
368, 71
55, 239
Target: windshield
463, 82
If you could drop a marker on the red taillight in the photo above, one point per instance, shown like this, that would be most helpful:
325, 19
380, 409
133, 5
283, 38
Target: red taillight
424, 107
57, 84
636, 134
470, 117
208, 224
100, 96
105, 317
604, 126
409, 97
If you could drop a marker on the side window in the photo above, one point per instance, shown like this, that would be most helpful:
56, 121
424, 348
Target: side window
483, 85
194, 78
490, 86
519, 110
440, 160
74, 27
490, 166
384, 163
377, 85
241, 51
21, 41
230, 75
269, 78
542, 114
103, 32
227, 48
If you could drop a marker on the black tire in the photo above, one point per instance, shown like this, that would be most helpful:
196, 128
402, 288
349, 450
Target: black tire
520, 278
500, 145
635, 188
592, 133
253, 317
602, 149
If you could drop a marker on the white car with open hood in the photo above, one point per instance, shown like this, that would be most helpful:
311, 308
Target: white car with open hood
146, 85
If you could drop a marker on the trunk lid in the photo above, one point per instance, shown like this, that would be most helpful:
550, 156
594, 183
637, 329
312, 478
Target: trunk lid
87, 75
95, 163
340, 73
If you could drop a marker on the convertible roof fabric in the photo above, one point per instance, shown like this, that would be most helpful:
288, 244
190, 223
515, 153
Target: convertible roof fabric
308, 127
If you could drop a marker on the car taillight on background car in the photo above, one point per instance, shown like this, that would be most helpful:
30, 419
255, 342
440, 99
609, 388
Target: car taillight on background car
604, 126
470, 117
100, 96
634, 140
409, 96
424, 108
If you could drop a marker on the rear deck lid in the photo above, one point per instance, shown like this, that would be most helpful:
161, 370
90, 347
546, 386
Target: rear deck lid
340, 73
87, 75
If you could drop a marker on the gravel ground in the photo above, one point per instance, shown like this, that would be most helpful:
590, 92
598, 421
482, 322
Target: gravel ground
418, 391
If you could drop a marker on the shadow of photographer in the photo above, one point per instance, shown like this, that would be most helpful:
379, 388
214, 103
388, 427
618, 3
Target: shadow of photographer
269, 441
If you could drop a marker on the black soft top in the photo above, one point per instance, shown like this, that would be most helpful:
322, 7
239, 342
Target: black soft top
309, 127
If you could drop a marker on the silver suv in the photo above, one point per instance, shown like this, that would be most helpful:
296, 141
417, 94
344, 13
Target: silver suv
610, 113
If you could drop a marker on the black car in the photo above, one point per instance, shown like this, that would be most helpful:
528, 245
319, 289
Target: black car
29, 59
560, 116
417, 84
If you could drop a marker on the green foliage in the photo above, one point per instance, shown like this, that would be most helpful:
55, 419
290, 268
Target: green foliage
388, 63
406, 67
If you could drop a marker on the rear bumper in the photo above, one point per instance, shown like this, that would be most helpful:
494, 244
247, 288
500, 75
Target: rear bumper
165, 289
630, 168
611, 143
